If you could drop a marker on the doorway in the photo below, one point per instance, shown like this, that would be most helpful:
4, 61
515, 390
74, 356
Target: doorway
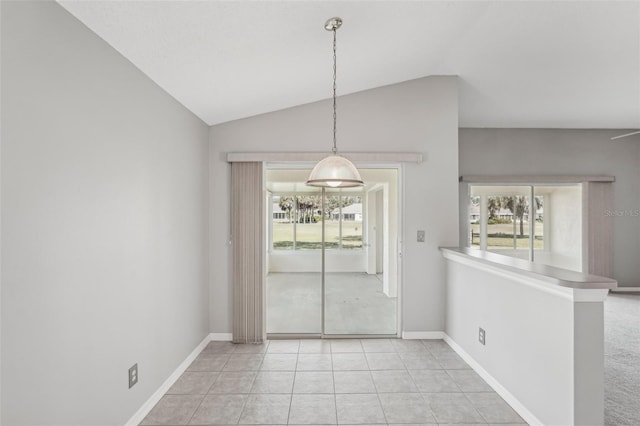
351, 287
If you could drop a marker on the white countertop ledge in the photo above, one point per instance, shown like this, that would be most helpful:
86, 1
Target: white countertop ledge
575, 285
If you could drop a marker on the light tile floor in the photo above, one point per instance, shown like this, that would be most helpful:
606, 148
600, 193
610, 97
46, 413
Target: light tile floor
324, 382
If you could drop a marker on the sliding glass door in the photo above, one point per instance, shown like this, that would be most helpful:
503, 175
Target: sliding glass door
332, 256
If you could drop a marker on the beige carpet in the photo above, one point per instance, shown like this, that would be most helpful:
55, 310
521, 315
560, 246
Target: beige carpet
622, 359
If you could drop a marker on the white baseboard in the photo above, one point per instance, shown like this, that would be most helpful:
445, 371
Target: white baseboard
500, 390
423, 335
625, 290
157, 395
220, 337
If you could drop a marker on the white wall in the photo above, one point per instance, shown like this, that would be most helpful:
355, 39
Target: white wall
416, 116
568, 152
545, 349
565, 228
104, 223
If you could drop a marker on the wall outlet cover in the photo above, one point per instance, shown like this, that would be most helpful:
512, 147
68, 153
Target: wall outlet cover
133, 375
481, 336
421, 236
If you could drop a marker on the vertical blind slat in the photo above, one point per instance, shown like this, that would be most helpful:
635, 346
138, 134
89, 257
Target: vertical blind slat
247, 244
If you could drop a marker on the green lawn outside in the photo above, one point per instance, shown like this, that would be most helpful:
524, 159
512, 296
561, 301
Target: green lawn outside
500, 236
309, 235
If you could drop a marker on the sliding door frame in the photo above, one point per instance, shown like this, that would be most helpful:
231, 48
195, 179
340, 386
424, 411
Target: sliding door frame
399, 167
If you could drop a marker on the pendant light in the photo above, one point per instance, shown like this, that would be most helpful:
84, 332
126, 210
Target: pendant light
334, 171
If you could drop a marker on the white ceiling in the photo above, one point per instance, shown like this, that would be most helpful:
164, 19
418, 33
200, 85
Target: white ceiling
521, 64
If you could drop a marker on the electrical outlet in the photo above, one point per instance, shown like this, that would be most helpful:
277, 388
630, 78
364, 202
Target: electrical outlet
481, 335
421, 236
133, 375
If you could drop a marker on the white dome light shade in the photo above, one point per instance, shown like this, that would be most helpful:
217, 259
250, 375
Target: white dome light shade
335, 171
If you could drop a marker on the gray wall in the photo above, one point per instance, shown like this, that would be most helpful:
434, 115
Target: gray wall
416, 116
567, 152
104, 224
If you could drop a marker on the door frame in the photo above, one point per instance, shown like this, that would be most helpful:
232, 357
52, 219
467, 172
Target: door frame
399, 167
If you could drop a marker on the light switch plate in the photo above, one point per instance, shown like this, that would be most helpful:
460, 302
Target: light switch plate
421, 236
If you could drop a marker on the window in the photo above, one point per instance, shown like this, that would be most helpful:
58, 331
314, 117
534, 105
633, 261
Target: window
297, 222
539, 223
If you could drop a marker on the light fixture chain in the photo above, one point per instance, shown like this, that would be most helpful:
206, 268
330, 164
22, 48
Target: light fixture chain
335, 116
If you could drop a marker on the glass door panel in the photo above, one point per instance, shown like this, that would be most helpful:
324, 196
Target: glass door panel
360, 268
357, 230
294, 255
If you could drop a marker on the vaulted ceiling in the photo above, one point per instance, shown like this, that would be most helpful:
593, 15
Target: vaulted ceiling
549, 64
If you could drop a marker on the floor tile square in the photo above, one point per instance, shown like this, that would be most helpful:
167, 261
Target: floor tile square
312, 409
283, 346
266, 409
425, 424
450, 361
314, 362
273, 382
452, 408
493, 408
359, 409
384, 361
353, 382
437, 345
209, 361
251, 348
405, 408
377, 345
173, 410
349, 361
313, 382
315, 346
233, 382
244, 362
393, 381
402, 345
218, 410
432, 381
279, 362
193, 383
346, 345
469, 381
419, 361
220, 347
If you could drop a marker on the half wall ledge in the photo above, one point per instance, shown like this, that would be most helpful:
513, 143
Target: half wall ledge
543, 349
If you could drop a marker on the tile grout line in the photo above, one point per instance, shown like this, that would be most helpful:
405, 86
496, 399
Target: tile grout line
295, 374
244, 404
204, 396
335, 398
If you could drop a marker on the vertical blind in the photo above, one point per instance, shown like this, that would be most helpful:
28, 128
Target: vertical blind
597, 198
247, 240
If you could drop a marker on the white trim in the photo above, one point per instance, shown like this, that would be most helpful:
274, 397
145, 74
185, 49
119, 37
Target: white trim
220, 337
585, 295
527, 415
385, 157
423, 335
158, 394
533, 180
625, 289
400, 252
545, 283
